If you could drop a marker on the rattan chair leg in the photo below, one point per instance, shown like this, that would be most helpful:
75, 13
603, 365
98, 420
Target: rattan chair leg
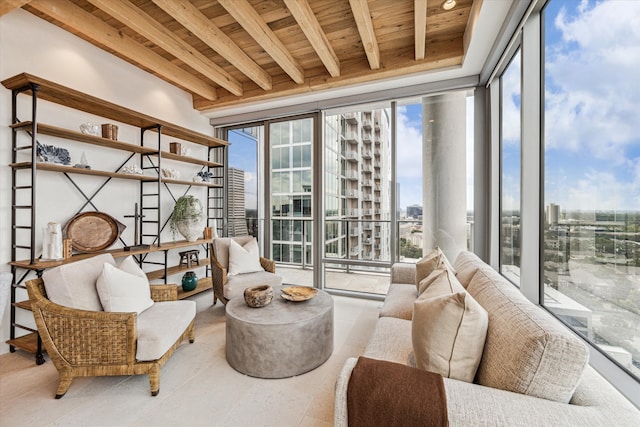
154, 380
63, 386
192, 335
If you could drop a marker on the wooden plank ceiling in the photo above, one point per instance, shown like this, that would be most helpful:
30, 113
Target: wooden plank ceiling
229, 52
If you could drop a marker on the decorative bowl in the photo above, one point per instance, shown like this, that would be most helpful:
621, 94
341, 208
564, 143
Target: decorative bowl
258, 296
298, 293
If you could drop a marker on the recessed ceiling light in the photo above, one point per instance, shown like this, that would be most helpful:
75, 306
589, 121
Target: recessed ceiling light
449, 4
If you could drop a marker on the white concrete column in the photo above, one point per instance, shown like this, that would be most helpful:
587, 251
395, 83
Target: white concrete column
444, 173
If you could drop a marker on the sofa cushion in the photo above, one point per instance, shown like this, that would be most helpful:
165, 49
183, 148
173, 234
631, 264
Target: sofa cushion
434, 259
466, 265
527, 351
221, 248
160, 326
244, 258
237, 284
448, 329
391, 340
399, 301
124, 289
74, 284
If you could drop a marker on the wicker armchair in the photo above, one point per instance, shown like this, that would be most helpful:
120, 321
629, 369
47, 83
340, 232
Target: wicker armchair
226, 287
85, 343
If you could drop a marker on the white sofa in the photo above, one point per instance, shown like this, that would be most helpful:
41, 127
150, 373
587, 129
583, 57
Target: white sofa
528, 355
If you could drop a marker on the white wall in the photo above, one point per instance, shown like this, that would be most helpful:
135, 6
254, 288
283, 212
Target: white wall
29, 44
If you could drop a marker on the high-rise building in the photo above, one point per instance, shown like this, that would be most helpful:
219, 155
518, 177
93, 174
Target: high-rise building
237, 215
357, 195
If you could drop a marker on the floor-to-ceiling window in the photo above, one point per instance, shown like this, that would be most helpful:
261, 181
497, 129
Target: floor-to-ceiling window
510, 168
357, 167
409, 187
591, 232
243, 216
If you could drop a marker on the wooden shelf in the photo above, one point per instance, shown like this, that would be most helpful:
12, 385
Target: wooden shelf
159, 274
187, 159
204, 284
116, 253
71, 98
87, 139
184, 182
27, 342
52, 167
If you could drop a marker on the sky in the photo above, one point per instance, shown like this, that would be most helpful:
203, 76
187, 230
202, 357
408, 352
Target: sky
592, 99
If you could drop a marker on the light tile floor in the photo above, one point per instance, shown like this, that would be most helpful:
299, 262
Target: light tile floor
197, 386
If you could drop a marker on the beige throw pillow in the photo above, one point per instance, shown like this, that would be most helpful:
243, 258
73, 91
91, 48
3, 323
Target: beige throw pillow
125, 289
244, 259
74, 284
433, 260
448, 329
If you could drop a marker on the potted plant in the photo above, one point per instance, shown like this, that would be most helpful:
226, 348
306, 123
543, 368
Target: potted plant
188, 218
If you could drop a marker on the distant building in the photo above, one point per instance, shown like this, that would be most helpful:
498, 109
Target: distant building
237, 215
553, 214
414, 211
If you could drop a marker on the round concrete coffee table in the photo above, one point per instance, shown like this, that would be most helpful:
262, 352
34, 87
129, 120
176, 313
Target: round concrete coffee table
282, 339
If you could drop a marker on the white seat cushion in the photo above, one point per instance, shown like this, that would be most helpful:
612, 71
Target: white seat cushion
160, 326
74, 285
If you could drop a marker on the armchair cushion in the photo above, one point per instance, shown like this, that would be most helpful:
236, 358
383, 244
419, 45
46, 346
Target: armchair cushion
244, 259
161, 325
125, 289
74, 285
237, 284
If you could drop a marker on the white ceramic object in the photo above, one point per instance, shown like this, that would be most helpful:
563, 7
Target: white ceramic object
52, 242
192, 228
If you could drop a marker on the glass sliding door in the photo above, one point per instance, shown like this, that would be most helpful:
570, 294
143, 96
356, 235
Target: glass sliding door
291, 195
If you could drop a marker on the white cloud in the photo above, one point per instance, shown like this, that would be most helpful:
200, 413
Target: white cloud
409, 153
593, 93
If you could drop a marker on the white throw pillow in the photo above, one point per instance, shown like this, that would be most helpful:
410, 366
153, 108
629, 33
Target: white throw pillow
244, 259
433, 260
448, 330
74, 284
124, 292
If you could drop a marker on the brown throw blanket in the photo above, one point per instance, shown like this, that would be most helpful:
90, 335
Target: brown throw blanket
382, 393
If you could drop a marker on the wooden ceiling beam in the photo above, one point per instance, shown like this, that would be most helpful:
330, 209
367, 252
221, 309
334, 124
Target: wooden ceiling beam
361, 14
139, 21
252, 23
95, 29
303, 14
7, 6
420, 25
197, 23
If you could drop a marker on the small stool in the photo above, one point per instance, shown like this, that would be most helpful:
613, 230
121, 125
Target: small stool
189, 258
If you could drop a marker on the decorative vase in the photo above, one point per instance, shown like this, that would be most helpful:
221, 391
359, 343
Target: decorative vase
191, 228
189, 281
258, 296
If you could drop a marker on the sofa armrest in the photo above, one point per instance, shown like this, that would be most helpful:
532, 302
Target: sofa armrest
166, 292
403, 273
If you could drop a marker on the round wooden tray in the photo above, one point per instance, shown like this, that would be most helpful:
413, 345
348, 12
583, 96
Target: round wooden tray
298, 293
92, 231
